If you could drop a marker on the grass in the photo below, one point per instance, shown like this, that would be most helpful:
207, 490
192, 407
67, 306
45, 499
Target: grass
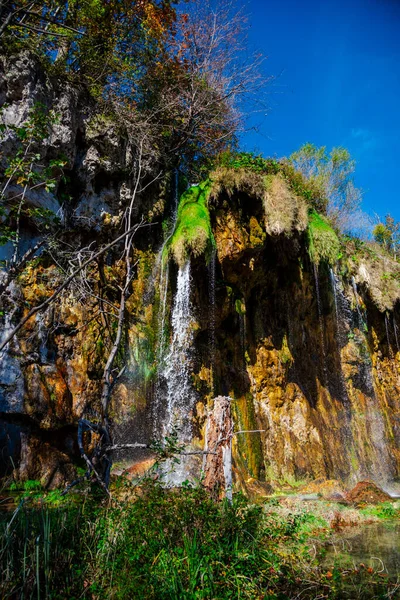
169, 544
285, 211
193, 234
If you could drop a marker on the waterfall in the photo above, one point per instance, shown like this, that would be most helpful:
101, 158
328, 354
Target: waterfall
333, 282
163, 287
395, 334
178, 360
391, 355
361, 322
242, 330
176, 194
164, 273
211, 324
320, 317
177, 395
338, 338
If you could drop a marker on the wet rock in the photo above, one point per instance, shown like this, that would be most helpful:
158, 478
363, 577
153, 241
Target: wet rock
42, 461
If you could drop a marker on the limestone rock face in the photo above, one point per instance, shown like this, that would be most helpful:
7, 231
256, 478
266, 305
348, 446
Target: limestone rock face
310, 356
306, 357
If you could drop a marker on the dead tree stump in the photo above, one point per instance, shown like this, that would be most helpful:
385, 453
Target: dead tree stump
217, 464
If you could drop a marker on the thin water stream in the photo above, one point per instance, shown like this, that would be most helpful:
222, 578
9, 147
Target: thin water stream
396, 337
321, 320
211, 324
361, 322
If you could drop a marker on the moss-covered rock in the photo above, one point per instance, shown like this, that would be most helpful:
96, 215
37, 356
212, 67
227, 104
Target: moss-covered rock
323, 243
193, 234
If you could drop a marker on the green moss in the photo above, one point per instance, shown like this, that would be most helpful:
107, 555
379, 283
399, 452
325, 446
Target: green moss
249, 444
286, 355
144, 332
193, 233
323, 243
240, 306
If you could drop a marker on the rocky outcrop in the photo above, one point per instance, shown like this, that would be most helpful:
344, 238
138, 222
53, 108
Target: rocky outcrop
306, 348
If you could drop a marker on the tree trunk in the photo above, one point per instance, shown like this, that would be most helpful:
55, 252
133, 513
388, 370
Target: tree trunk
218, 460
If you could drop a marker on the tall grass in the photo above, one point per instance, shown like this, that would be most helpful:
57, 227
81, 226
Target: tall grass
168, 545
40, 553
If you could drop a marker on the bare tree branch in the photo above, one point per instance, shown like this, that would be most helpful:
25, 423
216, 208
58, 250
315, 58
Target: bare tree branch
66, 283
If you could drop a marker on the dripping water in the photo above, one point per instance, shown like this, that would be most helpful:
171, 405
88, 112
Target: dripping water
320, 317
164, 273
211, 324
176, 195
396, 334
178, 361
333, 281
361, 322
163, 287
388, 337
342, 381
179, 395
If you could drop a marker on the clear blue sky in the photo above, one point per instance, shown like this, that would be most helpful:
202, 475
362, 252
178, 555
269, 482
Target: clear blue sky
338, 84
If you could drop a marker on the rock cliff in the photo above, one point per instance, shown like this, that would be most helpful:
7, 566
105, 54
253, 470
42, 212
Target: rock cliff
298, 328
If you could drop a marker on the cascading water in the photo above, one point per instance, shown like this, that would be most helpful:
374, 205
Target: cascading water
391, 355
338, 337
395, 329
163, 286
164, 273
176, 397
320, 317
333, 282
176, 372
242, 331
211, 325
361, 322
43, 338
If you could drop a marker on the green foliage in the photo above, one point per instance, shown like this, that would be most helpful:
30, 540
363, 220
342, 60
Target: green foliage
331, 175
26, 170
246, 160
93, 42
167, 545
39, 550
386, 510
193, 233
240, 306
30, 485
323, 243
387, 234
251, 163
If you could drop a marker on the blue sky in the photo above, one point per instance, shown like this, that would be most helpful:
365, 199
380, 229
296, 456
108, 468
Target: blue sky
337, 68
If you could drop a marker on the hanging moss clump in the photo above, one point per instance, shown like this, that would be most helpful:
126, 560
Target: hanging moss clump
323, 243
193, 234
